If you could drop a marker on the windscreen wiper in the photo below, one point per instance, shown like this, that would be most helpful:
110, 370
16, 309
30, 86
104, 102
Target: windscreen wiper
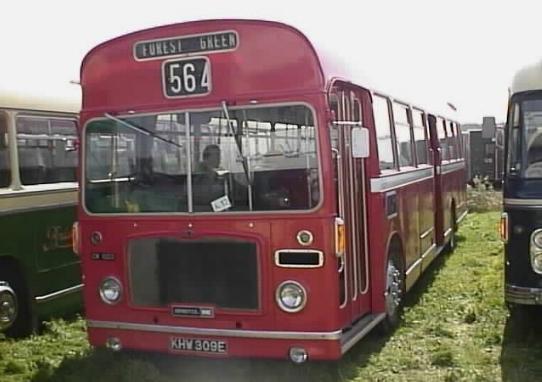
142, 130
235, 132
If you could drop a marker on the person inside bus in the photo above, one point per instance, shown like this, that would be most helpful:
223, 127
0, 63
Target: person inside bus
210, 162
208, 181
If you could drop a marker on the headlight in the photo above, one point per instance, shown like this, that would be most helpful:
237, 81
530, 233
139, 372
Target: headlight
537, 238
537, 262
110, 290
291, 296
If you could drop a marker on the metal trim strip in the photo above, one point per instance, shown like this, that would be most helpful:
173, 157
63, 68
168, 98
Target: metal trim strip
390, 182
429, 251
523, 202
463, 216
37, 208
426, 233
57, 294
328, 336
363, 328
523, 295
451, 167
414, 265
39, 189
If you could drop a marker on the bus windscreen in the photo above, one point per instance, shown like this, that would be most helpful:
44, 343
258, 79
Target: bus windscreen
254, 159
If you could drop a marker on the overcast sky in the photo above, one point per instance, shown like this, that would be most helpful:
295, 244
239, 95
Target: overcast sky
427, 52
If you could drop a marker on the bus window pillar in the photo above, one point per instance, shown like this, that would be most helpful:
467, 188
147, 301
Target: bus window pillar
13, 151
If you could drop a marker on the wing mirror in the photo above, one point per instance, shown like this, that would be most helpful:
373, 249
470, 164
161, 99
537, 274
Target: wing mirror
360, 142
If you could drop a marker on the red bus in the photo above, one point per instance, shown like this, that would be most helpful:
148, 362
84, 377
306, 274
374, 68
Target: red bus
240, 199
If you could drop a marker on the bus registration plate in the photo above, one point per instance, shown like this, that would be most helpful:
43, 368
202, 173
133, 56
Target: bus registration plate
198, 345
186, 77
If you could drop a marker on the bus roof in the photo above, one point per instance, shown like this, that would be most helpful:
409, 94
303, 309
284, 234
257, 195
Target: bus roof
528, 78
66, 101
270, 58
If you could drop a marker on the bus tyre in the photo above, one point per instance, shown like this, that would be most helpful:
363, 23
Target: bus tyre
15, 306
452, 244
393, 294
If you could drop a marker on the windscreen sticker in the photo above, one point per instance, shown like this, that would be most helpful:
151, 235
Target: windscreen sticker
221, 204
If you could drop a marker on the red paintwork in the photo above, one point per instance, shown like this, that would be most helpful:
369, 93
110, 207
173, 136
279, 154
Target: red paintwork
273, 63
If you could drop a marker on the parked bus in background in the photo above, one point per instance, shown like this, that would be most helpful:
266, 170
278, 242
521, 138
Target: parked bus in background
39, 273
486, 146
236, 202
521, 223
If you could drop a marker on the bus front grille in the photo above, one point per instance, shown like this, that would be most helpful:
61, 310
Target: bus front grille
213, 272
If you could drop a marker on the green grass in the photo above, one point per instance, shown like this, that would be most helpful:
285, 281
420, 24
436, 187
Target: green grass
455, 328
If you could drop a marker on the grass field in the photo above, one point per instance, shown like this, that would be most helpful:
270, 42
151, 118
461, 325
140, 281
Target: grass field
455, 328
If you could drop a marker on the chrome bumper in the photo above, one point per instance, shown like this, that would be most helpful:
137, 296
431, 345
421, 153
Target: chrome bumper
522, 295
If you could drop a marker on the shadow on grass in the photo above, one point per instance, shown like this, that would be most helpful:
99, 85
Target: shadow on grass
430, 274
104, 366
521, 352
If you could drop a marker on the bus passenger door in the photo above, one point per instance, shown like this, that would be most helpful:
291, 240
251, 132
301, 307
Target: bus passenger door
437, 164
351, 204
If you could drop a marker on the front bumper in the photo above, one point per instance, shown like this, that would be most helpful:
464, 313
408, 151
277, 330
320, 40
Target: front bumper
240, 344
523, 295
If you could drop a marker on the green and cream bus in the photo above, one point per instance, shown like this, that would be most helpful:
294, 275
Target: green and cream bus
39, 273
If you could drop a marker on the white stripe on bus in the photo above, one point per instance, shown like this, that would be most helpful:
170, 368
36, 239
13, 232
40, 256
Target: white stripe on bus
400, 179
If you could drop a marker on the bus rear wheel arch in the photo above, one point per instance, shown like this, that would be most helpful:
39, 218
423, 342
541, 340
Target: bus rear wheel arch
22, 321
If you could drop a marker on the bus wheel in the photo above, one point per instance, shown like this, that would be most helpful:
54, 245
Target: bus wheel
16, 319
453, 227
395, 289
8, 306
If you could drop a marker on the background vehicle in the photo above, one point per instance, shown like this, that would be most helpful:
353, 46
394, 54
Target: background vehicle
486, 148
38, 193
521, 225
328, 202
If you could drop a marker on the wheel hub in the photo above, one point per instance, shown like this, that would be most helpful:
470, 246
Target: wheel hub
393, 289
8, 306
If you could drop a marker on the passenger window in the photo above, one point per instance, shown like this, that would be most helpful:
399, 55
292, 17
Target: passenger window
357, 116
459, 140
441, 134
514, 143
5, 171
402, 133
420, 141
451, 140
383, 133
47, 149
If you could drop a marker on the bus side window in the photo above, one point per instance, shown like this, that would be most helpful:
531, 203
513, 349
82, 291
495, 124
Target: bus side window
452, 146
459, 140
402, 134
46, 149
5, 173
441, 134
32, 145
64, 154
514, 142
420, 140
383, 133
